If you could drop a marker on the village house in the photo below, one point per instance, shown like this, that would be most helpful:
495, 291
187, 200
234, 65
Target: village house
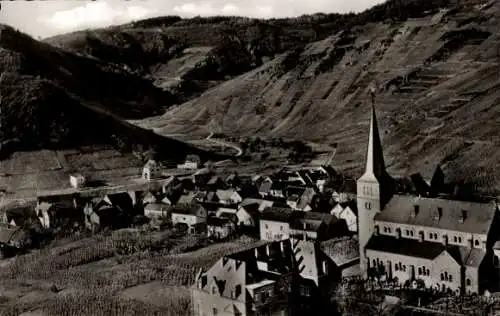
191, 217
12, 240
220, 227
215, 183
77, 180
151, 170
344, 253
235, 181
121, 201
229, 196
269, 279
100, 213
316, 226
248, 216
186, 199
305, 200
170, 185
348, 212
192, 162
157, 211
274, 223
446, 244
56, 211
226, 210
149, 198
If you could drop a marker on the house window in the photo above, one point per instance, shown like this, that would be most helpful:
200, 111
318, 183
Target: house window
476, 242
428, 272
396, 268
407, 232
435, 236
305, 291
460, 239
214, 311
374, 263
411, 233
430, 235
419, 271
389, 230
385, 229
368, 205
442, 277
267, 226
455, 238
468, 282
450, 278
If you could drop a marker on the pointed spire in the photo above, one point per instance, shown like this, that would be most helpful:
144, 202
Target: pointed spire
375, 165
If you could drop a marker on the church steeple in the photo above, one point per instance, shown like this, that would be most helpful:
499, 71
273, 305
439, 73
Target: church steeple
374, 188
375, 165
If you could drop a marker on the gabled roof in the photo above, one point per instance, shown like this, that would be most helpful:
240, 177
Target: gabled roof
295, 190
479, 216
262, 203
191, 209
313, 220
214, 180
122, 200
406, 247
306, 198
341, 251
278, 214
186, 198
156, 207
252, 209
225, 194
465, 256
265, 187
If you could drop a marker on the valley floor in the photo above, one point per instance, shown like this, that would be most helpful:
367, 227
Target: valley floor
124, 273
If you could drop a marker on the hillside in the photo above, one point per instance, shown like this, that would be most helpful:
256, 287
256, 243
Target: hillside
436, 79
54, 99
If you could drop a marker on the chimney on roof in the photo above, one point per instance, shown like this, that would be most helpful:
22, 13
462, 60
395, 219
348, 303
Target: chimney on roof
256, 250
325, 267
282, 246
268, 249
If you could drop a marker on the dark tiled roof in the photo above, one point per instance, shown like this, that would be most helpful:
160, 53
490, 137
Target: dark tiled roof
341, 251
428, 250
122, 200
278, 214
252, 209
478, 219
313, 219
406, 247
190, 209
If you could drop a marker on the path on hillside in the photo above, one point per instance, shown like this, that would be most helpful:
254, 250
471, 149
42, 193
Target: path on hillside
223, 143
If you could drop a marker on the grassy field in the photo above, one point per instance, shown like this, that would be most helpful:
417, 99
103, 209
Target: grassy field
124, 273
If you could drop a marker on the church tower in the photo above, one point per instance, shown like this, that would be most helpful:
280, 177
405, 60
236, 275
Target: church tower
374, 189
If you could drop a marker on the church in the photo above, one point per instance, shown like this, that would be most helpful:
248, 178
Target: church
441, 243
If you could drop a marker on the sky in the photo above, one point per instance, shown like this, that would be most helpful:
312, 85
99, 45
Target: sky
42, 19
